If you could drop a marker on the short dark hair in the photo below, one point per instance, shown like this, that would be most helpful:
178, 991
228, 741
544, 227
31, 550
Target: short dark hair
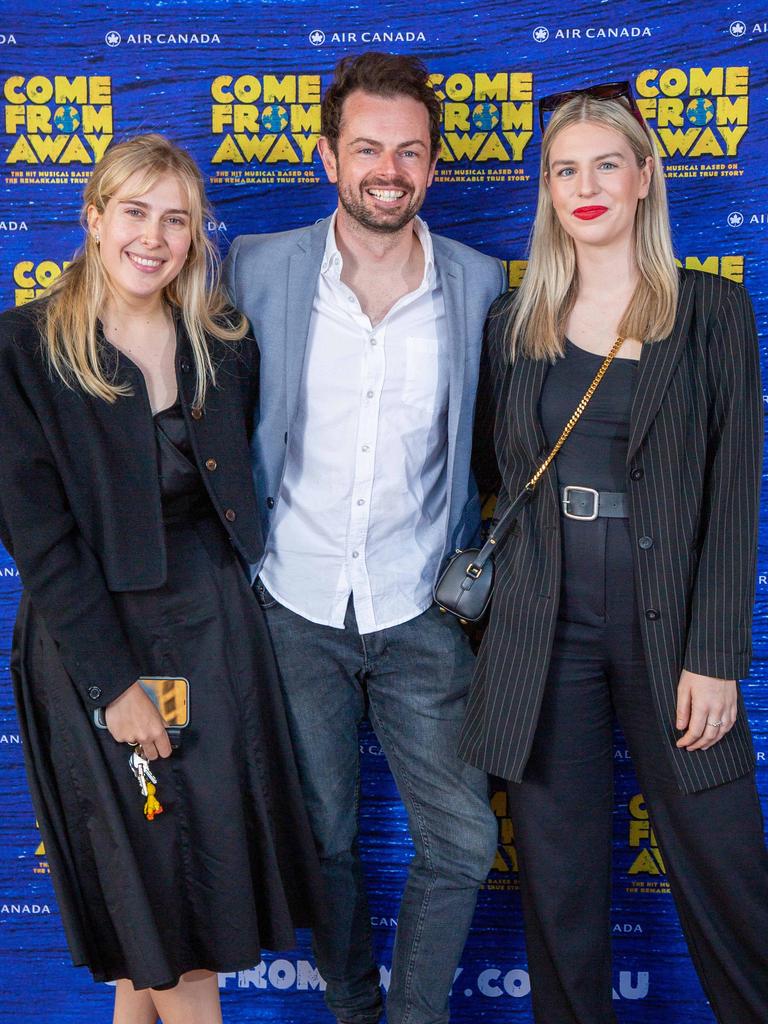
379, 74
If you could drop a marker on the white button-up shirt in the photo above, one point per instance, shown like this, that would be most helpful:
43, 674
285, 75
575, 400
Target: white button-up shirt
362, 507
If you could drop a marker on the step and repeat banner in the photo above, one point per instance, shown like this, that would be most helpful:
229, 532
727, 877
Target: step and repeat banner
239, 83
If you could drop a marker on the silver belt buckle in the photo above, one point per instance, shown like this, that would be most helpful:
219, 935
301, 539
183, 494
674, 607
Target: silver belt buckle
567, 500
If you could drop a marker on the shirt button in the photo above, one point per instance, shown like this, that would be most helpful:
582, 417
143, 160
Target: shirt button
211, 464
645, 543
361, 501
374, 341
230, 515
366, 448
94, 692
270, 502
369, 394
351, 298
651, 614
636, 474
185, 366
355, 554
197, 412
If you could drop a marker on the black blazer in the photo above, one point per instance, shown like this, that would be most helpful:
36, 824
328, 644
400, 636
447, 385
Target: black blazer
80, 508
693, 471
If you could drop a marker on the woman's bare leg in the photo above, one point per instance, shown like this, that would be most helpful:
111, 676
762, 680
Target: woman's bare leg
132, 1007
195, 1000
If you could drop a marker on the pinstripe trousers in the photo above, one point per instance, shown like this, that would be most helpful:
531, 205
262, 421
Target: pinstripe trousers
712, 841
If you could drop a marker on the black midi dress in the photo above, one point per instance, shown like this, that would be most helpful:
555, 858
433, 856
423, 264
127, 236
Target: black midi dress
228, 867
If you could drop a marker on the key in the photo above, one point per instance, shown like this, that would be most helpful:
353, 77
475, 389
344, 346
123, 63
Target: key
141, 770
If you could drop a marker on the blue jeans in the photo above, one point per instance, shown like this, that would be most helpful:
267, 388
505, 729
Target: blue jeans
415, 676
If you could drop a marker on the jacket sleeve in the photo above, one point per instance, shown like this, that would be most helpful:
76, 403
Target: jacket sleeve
61, 574
492, 363
720, 632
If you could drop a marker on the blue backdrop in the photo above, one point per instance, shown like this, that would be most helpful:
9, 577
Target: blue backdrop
238, 82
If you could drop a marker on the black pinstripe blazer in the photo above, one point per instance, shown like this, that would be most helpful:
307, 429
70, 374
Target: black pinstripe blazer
693, 469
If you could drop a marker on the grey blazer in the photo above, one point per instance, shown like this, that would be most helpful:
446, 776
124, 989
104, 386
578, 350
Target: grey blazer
693, 472
272, 279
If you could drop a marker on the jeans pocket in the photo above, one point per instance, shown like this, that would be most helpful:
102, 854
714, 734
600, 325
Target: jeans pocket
263, 596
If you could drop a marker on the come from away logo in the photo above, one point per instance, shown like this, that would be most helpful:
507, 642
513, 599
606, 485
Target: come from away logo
487, 124
699, 116
56, 122
503, 874
646, 872
30, 278
266, 127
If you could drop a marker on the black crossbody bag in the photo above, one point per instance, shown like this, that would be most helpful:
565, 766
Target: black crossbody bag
465, 586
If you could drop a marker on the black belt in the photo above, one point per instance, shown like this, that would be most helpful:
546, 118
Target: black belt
586, 503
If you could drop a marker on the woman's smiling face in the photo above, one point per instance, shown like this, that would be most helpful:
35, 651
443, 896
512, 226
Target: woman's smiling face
144, 237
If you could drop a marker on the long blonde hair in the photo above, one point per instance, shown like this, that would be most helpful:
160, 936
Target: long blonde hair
539, 314
76, 299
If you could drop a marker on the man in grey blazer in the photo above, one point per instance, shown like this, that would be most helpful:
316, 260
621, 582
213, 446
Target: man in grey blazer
370, 333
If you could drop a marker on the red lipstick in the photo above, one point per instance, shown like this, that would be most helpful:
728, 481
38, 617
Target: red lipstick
589, 212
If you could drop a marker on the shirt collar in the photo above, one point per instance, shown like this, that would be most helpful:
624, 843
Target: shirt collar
333, 260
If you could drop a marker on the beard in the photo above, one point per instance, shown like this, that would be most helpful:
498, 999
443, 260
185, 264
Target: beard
383, 221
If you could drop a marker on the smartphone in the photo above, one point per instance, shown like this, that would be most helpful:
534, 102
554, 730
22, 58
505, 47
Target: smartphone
170, 697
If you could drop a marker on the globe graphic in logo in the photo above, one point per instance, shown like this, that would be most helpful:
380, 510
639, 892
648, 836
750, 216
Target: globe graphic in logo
274, 118
67, 119
485, 117
700, 111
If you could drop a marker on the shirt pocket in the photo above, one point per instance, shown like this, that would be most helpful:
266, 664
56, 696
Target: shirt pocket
422, 371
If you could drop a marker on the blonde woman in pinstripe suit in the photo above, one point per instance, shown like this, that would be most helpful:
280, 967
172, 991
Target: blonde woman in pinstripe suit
627, 585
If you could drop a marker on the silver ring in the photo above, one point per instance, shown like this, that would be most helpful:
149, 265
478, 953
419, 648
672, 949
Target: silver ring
715, 725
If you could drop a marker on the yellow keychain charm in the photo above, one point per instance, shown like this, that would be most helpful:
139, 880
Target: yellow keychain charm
147, 783
152, 805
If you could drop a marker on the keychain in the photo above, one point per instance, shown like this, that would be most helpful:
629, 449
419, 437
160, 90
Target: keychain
147, 783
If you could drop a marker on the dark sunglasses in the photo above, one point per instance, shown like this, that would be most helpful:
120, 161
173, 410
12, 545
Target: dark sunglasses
608, 91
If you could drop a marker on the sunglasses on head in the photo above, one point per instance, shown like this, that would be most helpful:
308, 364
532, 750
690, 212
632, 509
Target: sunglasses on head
607, 91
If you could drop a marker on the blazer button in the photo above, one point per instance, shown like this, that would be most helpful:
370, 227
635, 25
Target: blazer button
230, 515
651, 614
94, 692
197, 412
211, 464
185, 366
645, 543
270, 502
636, 474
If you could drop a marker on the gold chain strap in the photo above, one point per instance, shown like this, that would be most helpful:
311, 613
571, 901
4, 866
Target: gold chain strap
577, 413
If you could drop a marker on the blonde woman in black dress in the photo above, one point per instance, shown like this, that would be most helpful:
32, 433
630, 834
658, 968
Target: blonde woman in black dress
126, 501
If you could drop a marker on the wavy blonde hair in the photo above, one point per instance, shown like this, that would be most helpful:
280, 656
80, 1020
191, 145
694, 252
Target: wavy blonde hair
76, 299
539, 314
